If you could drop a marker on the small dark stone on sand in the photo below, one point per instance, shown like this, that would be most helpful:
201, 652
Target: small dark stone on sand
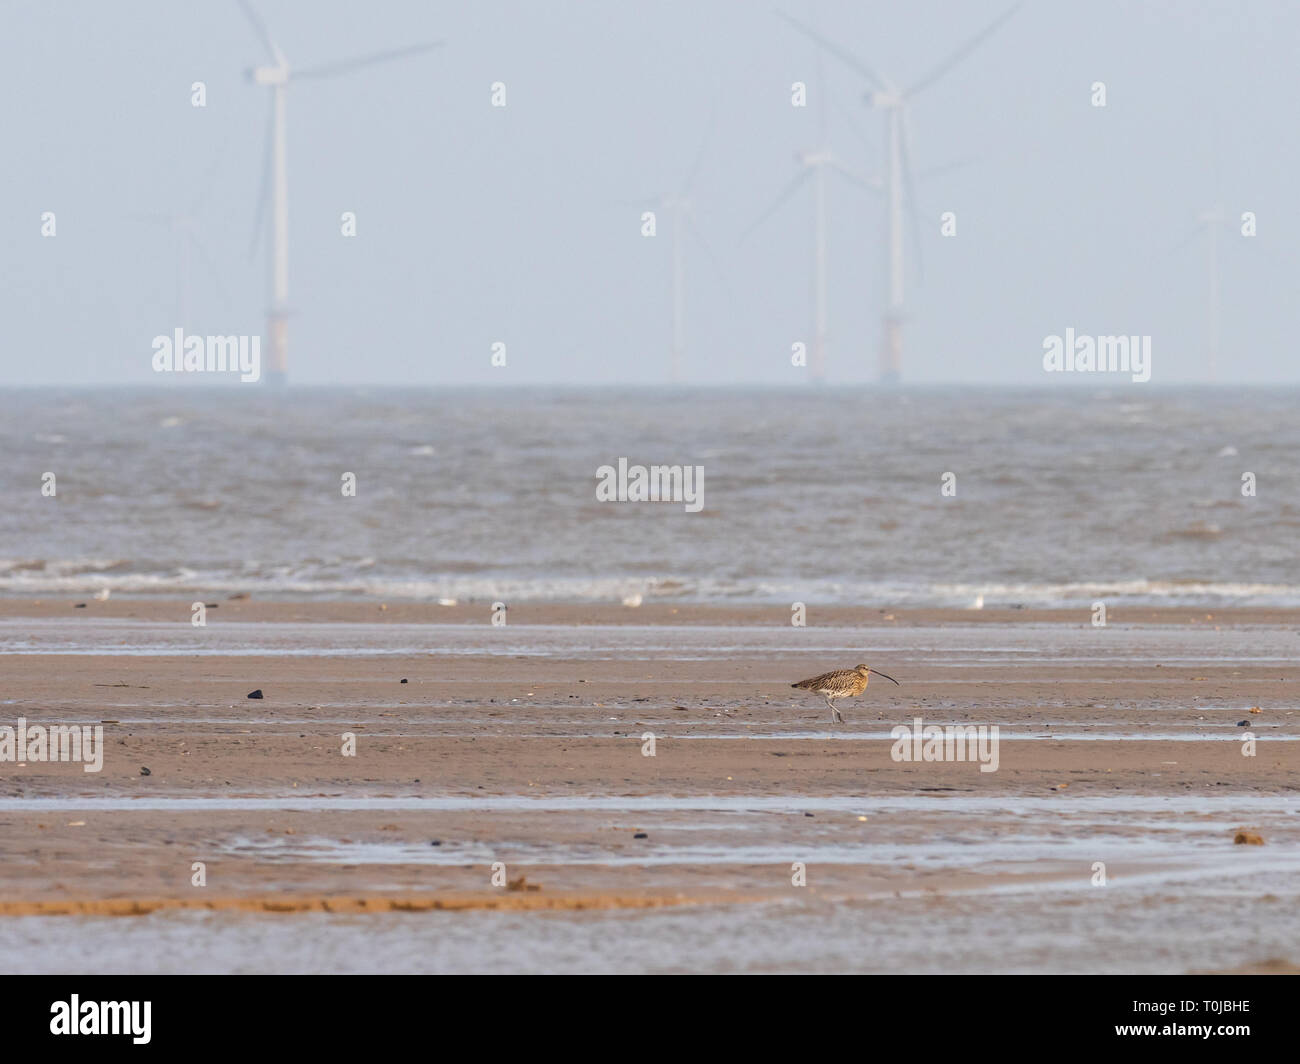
1243, 724
145, 772
403, 681
640, 835
436, 842
807, 814
79, 606
255, 694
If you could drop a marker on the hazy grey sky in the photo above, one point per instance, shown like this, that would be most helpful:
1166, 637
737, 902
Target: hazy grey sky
479, 224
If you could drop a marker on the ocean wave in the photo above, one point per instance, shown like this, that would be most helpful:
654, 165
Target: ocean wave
85, 577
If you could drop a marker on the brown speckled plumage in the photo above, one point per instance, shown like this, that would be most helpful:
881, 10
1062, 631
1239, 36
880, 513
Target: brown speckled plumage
840, 683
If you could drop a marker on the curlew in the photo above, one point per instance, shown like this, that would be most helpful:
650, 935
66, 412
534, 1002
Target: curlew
842, 683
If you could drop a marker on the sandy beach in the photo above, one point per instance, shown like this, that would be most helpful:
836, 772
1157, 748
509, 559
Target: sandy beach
521, 746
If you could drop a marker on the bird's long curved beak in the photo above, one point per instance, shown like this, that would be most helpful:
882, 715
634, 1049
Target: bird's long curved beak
889, 678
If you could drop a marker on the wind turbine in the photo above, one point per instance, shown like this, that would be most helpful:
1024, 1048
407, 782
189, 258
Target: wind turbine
184, 228
886, 96
1211, 222
275, 169
681, 208
812, 167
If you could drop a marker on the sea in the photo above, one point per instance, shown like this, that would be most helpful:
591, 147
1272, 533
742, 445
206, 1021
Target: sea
943, 497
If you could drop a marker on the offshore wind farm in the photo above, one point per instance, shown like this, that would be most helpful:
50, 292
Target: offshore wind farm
276, 76
453, 173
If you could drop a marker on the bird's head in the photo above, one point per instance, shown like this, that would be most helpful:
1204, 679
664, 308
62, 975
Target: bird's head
863, 670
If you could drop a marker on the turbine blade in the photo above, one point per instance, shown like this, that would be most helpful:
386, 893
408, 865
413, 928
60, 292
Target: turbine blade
211, 267
909, 191
1182, 242
709, 254
346, 66
697, 164
789, 190
821, 101
946, 168
264, 191
870, 184
850, 119
962, 52
844, 56
206, 182
259, 27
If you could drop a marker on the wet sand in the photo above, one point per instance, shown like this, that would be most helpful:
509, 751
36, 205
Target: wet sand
522, 744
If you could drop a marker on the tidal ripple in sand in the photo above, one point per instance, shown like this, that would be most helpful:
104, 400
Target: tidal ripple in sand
1103, 931
959, 646
1103, 804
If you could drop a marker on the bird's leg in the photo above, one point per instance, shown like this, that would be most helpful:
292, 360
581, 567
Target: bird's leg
835, 713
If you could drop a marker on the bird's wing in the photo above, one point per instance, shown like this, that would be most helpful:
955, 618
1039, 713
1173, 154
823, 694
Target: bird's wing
815, 681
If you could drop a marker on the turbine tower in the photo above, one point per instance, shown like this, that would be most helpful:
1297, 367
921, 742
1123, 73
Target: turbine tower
812, 167
1211, 222
887, 97
275, 170
682, 209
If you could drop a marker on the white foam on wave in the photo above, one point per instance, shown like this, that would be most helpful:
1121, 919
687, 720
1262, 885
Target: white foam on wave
360, 580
